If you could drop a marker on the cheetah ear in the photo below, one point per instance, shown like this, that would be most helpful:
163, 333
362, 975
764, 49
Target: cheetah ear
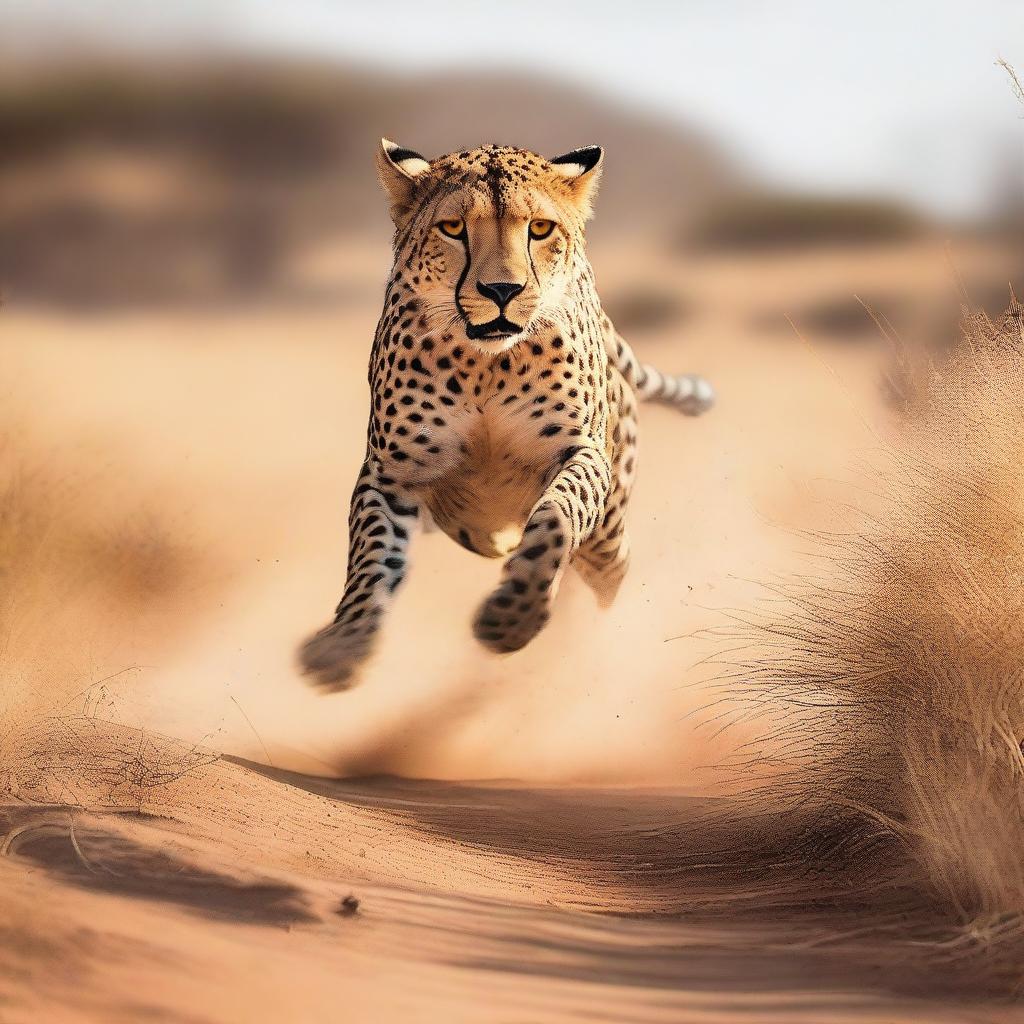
581, 169
399, 169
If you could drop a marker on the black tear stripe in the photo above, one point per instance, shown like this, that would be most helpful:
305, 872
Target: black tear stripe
533, 268
464, 238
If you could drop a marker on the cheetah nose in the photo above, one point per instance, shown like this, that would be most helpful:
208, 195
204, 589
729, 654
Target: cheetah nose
500, 292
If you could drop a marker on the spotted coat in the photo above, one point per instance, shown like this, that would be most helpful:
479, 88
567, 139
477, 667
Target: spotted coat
503, 401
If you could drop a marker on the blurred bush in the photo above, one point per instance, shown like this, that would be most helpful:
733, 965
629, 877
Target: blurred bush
152, 187
789, 221
642, 308
205, 182
838, 317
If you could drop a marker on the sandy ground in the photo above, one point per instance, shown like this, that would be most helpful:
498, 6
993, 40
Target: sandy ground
475, 903
581, 890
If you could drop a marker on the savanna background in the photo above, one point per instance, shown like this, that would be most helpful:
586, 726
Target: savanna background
779, 780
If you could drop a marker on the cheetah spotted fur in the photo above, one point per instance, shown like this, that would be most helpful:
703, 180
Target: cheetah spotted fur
503, 402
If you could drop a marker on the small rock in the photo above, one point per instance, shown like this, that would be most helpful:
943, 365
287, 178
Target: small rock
348, 907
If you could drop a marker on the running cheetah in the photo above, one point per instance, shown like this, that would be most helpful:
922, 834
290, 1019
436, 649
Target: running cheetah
503, 400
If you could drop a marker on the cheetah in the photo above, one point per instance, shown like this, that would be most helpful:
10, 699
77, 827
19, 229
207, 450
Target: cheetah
503, 401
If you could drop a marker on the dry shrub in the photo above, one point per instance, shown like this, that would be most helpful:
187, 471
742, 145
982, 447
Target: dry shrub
892, 681
78, 756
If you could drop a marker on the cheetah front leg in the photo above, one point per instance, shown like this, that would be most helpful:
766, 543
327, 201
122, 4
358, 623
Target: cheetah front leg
382, 516
567, 514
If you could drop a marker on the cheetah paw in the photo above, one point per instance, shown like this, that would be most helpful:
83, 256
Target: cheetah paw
331, 657
508, 620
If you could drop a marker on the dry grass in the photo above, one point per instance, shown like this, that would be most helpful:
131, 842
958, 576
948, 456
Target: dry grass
894, 681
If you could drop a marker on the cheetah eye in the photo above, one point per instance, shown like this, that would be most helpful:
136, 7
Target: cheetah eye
541, 228
452, 228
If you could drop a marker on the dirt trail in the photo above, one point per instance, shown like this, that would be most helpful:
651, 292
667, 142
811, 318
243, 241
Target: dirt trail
223, 902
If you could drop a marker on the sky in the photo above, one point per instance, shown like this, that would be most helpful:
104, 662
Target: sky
900, 97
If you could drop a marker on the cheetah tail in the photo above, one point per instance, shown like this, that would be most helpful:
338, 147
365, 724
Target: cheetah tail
687, 392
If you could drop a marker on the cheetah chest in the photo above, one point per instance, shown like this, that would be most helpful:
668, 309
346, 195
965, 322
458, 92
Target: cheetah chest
510, 441
484, 500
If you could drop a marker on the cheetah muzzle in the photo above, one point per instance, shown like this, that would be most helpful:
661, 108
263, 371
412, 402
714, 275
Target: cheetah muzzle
503, 401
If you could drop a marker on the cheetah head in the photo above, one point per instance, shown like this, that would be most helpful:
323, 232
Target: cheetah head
486, 238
